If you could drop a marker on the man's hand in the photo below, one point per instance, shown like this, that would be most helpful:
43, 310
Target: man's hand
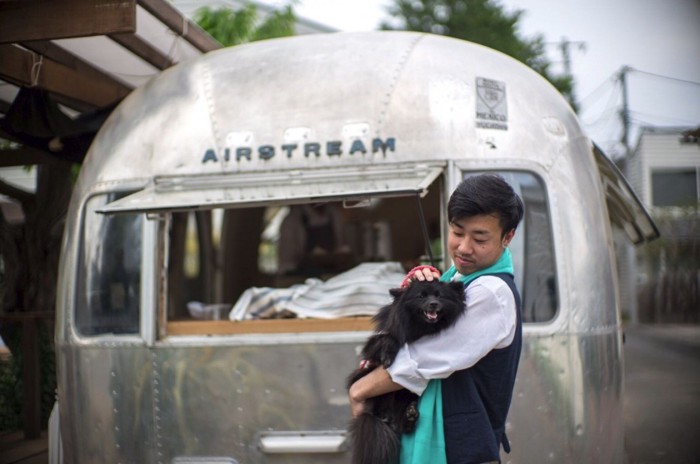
377, 382
421, 273
357, 406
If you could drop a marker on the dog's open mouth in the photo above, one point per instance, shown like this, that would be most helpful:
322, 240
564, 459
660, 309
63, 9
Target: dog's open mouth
431, 316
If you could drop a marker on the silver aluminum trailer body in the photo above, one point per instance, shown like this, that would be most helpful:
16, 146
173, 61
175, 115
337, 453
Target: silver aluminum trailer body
335, 117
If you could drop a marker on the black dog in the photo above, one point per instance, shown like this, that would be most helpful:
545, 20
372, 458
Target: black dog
423, 308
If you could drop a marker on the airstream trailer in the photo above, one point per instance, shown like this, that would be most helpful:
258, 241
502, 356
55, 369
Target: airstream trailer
239, 218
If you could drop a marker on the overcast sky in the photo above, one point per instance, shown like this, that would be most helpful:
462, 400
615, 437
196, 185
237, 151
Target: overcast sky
658, 38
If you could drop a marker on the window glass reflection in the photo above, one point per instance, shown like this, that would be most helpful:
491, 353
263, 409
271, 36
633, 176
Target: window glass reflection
533, 249
109, 275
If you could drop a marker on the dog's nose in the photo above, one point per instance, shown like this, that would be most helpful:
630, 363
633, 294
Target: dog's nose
434, 305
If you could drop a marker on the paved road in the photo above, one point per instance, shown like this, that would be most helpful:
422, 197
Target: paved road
662, 404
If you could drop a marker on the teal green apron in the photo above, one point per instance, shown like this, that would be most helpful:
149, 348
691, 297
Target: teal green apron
427, 442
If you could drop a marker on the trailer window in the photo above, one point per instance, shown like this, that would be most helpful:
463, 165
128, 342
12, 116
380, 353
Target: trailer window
109, 271
223, 260
533, 250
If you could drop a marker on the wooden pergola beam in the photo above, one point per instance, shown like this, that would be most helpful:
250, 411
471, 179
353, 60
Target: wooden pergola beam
25, 156
54, 52
58, 19
22, 66
177, 22
142, 49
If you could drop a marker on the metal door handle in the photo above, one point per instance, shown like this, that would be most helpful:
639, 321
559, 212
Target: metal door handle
303, 442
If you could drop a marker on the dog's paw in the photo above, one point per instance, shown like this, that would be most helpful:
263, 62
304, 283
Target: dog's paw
387, 359
411, 417
388, 355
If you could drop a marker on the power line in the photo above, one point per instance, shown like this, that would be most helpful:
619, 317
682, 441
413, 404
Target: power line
636, 117
604, 116
625, 113
615, 78
602, 85
611, 103
618, 135
682, 81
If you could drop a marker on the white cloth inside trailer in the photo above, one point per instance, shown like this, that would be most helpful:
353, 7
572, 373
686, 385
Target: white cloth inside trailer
361, 291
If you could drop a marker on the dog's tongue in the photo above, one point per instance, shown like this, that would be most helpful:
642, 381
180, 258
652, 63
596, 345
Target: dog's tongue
432, 315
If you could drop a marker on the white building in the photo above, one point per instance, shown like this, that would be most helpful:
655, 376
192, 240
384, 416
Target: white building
664, 170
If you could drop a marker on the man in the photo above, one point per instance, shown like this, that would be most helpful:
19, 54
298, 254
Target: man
477, 358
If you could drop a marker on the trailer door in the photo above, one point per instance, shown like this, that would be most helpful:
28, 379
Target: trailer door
624, 207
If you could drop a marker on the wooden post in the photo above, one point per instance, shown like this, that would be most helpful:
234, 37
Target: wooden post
31, 376
31, 372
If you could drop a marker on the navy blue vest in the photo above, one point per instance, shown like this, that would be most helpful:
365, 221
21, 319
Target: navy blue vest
475, 401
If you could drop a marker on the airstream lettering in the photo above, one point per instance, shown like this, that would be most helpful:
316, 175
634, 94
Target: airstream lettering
212, 315
333, 148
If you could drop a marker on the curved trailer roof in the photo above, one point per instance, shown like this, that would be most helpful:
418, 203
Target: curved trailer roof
279, 119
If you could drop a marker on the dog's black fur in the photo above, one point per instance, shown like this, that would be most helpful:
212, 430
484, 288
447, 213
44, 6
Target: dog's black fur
423, 308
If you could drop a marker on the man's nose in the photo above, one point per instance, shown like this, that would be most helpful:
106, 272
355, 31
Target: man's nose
465, 246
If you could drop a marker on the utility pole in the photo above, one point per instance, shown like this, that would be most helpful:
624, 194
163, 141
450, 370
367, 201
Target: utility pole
629, 253
564, 46
625, 112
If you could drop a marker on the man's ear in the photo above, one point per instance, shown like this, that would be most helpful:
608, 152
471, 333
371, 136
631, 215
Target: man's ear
508, 237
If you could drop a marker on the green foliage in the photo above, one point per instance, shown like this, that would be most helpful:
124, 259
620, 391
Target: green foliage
47, 372
10, 395
231, 27
12, 384
3, 279
479, 21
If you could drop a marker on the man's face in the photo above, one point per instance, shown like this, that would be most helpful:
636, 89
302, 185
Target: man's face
475, 243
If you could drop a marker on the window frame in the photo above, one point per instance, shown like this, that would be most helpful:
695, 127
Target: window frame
551, 324
155, 327
242, 331
694, 170
147, 291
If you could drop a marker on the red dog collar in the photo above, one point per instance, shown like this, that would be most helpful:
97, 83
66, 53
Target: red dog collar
366, 364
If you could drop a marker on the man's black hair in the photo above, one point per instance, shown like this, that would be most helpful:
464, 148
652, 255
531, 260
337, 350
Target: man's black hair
486, 194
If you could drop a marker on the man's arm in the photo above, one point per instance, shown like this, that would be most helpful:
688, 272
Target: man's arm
377, 382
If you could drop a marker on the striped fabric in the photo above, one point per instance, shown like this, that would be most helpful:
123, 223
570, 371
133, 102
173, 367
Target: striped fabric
361, 291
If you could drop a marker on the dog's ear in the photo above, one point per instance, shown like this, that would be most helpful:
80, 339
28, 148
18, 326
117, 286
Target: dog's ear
396, 292
457, 286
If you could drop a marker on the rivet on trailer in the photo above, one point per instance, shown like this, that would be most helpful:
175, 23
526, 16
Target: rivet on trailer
239, 218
